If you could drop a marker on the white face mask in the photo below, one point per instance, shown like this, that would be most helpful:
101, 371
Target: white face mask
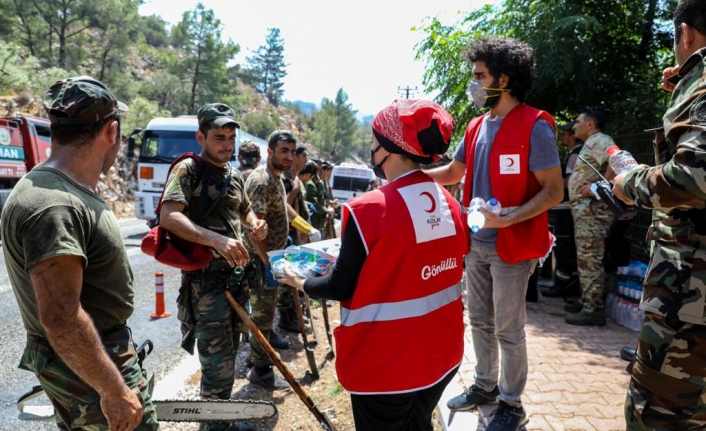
478, 94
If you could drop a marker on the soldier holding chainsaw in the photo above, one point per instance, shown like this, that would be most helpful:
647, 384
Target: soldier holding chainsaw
203, 309
70, 272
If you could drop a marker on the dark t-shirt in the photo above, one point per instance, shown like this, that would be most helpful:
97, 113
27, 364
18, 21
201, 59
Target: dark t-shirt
49, 215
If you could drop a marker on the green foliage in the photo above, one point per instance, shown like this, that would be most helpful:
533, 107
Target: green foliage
140, 113
260, 124
205, 60
65, 28
154, 30
588, 52
267, 68
335, 128
21, 72
157, 70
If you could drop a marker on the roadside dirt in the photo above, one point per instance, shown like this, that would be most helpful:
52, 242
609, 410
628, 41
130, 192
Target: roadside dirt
292, 414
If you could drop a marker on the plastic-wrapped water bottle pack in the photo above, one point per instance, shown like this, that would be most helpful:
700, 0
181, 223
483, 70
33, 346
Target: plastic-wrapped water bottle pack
302, 262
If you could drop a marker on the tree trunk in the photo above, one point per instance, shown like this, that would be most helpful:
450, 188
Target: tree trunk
647, 34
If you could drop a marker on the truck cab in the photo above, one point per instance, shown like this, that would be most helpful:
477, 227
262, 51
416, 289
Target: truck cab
25, 142
161, 142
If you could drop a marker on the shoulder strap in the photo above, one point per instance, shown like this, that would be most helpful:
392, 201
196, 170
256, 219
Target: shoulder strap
194, 156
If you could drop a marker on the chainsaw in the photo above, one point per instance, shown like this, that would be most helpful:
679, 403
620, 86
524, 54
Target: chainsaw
169, 410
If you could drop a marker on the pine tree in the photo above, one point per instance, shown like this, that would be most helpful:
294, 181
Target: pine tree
267, 67
206, 57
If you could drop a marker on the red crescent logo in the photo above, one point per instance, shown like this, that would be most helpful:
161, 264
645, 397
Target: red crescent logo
431, 198
511, 162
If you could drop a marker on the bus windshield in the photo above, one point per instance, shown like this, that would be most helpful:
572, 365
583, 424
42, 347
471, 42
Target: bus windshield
350, 184
167, 145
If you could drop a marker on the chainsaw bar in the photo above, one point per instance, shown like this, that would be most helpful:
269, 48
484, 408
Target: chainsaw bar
213, 410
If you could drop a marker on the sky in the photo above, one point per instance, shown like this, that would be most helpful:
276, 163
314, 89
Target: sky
365, 47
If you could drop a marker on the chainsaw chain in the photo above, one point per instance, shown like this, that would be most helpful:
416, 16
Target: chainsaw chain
231, 401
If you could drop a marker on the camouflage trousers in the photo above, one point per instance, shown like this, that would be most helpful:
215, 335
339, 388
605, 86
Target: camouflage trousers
217, 327
592, 219
667, 390
77, 405
263, 303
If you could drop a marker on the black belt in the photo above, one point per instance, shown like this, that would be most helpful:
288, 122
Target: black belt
104, 333
218, 265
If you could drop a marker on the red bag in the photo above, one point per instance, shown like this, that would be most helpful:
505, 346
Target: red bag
173, 251
168, 248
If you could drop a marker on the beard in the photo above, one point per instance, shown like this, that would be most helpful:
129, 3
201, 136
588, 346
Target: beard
111, 155
278, 164
492, 102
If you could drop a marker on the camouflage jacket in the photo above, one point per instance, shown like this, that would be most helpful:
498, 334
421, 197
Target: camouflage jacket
184, 186
268, 198
675, 188
594, 152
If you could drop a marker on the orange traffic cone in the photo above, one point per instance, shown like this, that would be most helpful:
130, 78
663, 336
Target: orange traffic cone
159, 297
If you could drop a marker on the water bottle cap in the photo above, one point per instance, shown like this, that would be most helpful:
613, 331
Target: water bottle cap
476, 220
612, 150
492, 202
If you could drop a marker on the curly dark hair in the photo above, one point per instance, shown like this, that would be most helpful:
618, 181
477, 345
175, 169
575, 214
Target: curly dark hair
509, 56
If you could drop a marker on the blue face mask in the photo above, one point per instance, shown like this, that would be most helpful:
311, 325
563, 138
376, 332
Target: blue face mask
377, 169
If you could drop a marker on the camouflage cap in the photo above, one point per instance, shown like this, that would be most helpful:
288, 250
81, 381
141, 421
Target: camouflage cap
80, 100
249, 149
216, 114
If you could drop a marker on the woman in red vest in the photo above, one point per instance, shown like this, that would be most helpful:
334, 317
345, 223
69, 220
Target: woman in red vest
398, 277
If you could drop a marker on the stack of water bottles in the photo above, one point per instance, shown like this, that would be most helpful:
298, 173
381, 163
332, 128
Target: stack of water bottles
623, 304
306, 263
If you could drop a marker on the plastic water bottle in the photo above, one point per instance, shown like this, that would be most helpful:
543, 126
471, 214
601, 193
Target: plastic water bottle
620, 161
476, 219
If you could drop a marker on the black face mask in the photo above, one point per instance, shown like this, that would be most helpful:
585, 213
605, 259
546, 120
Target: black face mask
377, 169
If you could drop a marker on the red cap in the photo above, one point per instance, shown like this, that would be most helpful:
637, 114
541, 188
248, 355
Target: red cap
612, 150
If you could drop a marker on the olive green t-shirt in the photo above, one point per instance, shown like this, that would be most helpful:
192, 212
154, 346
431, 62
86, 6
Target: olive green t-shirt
49, 215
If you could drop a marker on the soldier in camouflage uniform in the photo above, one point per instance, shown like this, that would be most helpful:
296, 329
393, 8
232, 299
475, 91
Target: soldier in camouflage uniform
268, 197
249, 157
316, 194
70, 272
326, 171
667, 389
592, 218
203, 308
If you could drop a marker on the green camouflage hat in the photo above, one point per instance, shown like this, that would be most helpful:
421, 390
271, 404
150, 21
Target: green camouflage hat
80, 100
216, 114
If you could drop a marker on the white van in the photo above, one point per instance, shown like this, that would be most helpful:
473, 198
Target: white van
349, 180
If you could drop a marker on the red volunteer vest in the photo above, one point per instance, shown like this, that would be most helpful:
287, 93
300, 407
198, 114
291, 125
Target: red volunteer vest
402, 330
511, 182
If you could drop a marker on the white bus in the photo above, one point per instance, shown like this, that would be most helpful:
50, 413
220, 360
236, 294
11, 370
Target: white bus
349, 180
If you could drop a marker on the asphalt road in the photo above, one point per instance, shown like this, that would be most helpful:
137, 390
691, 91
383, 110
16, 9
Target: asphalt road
164, 333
